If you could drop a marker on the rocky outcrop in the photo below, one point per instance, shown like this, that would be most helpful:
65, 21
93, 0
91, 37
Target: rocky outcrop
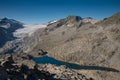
70, 21
12, 70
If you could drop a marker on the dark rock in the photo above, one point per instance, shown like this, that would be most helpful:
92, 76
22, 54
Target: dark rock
3, 74
10, 59
24, 69
73, 18
7, 65
11, 71
42, 52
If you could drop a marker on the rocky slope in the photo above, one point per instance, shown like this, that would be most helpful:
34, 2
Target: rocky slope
73, 40
21, 67
25, 40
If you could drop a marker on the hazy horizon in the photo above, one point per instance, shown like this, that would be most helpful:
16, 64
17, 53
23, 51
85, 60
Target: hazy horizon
42, 11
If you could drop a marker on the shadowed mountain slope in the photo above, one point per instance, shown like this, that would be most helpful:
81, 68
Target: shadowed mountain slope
7, 27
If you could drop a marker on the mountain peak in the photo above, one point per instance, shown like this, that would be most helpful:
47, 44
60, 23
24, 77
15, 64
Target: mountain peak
114, 19
74, 18
89, 18
117, 14
5, 18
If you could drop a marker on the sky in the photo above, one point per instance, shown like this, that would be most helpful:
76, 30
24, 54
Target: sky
42, 11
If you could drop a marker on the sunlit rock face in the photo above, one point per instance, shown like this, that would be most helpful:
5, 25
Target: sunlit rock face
77, 40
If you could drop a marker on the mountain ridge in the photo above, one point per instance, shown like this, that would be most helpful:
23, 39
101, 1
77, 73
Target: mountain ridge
7, 27
114, 19
84, 43
75, 41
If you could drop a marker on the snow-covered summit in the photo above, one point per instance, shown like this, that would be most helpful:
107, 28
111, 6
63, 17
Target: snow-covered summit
10, 24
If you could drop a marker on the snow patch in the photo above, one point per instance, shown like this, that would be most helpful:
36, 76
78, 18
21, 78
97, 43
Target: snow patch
53, 21
93, 21
6, 26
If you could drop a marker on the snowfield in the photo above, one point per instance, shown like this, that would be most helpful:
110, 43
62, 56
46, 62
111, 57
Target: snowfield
53, 21
28, 30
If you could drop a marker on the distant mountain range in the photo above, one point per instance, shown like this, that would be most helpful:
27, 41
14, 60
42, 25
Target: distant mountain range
14, 32
7, 27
